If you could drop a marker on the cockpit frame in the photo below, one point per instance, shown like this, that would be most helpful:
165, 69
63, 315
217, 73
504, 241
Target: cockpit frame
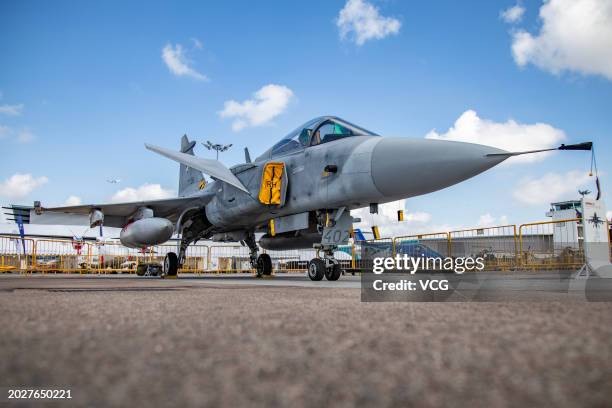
309, 134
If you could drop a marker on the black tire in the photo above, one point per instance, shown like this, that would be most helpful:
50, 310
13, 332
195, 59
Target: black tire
170, 264
333, 273
316, 269
141, 269
264, 265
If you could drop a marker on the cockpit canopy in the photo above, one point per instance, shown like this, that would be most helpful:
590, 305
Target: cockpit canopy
320, 130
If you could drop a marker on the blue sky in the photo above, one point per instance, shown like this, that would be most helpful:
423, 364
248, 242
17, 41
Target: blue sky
84, 86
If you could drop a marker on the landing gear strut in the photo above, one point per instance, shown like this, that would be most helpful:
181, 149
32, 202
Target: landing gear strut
328, 266
261, 263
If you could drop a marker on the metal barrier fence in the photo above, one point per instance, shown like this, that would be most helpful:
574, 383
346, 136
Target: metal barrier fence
61, 256
531, 246
112, 257
496, 245
16, 255
551, 245
364, 251
196, 258
229, 259
291, 260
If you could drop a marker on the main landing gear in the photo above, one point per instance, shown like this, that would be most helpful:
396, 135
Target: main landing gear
327, 266
171, 265
262, 263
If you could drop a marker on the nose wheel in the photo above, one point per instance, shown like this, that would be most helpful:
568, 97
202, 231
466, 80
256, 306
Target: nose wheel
333, 273
318, 268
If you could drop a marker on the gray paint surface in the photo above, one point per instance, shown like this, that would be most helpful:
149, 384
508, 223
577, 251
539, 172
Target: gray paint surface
369, 169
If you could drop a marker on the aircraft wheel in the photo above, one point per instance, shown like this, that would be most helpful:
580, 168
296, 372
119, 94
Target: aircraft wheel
141, 269
264, 265
316, 269
333, 273
170, 264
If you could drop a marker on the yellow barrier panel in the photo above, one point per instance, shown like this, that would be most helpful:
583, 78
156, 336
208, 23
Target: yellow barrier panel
551, 245
113, 257
534, 246
196, 257
498, 246
13, 258
61, 256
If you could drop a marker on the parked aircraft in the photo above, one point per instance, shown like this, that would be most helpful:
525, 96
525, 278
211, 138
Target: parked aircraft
299, 193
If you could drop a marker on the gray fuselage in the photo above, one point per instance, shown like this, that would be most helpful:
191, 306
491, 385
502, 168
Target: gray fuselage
370, 169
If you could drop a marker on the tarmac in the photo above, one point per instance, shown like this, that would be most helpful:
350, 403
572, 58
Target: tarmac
213, 340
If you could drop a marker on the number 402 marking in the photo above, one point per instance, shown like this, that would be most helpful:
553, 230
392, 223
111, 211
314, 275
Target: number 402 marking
336, 236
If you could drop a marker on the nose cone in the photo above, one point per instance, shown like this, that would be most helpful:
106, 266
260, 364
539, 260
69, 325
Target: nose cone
410, 167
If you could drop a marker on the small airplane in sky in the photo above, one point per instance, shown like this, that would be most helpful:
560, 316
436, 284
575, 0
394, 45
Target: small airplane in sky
299, 193
113, 181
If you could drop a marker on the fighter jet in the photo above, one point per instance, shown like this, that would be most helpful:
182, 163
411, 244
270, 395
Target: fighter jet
298, 193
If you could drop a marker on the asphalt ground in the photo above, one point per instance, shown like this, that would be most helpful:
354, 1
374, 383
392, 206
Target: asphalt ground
237, 341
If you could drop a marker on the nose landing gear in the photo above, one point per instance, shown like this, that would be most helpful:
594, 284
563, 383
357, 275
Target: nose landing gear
327, 266
316, 269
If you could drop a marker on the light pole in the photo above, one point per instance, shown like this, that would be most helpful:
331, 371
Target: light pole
216, 147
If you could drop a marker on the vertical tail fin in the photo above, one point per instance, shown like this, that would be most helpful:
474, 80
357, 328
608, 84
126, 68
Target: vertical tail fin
190, 180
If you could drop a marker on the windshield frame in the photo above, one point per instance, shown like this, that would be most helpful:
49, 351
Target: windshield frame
291, 143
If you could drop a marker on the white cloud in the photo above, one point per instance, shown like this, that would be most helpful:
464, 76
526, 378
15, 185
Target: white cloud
487, 220
550, 188
513, 14
25, 136
72, 200
576, 35
22, 136
510, 136
178, 63
414, 223
11, 110
360, 21
417, 217
386, 219
142, 193
4, 131
20, 185
609, 215
267, 103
